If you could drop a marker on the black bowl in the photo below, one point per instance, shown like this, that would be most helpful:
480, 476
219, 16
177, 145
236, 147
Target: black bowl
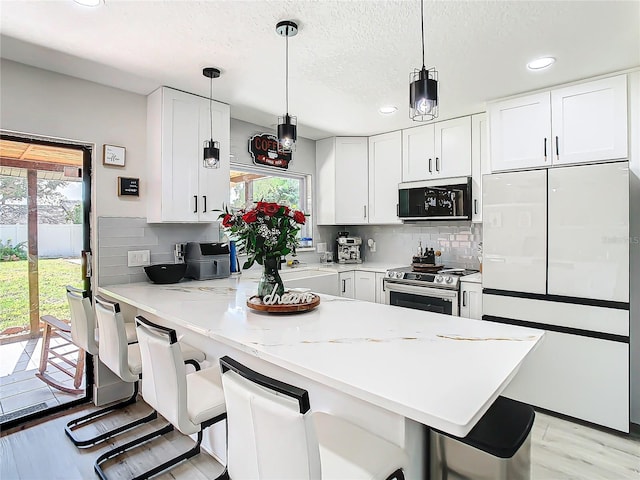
166, 272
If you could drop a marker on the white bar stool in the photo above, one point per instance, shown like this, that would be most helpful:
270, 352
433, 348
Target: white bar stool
84, 335
190, 402
273, 434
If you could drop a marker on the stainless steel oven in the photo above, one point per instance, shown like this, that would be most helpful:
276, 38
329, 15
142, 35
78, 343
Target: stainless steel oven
422, 291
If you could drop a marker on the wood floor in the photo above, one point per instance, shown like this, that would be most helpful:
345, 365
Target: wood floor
561, 450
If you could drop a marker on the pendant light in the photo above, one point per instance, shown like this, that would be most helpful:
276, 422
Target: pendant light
287, 125
423, 90
211, 147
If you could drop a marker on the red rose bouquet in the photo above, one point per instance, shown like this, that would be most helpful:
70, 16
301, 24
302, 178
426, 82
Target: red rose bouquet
265, 231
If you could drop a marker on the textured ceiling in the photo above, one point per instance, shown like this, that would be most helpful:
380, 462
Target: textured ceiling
348, 59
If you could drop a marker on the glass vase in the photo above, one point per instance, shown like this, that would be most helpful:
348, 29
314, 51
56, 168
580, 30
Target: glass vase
270, 278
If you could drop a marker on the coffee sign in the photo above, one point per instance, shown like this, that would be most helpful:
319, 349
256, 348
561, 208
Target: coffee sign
263, 148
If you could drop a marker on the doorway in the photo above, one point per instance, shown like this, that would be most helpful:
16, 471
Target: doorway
45, 192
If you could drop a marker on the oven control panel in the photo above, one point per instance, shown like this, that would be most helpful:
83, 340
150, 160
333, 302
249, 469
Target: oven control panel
426, 279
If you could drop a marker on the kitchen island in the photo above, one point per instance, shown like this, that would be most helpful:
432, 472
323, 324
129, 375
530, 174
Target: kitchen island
387, 368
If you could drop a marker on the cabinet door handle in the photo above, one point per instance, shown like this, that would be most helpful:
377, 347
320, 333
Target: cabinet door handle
344, 286
545, 149
557, 149
195, 201
397, 209
475, 206
464, 299
205, 203
437, 167
365, 211
430, 166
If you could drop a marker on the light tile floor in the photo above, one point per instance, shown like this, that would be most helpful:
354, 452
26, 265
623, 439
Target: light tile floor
19, 387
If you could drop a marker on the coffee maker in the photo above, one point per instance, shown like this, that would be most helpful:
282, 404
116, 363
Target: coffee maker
348, 248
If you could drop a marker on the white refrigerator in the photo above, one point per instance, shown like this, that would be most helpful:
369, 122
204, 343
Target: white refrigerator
556, 257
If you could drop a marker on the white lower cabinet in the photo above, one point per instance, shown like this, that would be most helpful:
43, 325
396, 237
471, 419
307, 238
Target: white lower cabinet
365, 286
361, 285
380, 288
471, 300
346, 284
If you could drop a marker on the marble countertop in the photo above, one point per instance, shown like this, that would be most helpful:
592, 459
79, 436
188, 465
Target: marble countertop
378, 267
439, 370
473, 278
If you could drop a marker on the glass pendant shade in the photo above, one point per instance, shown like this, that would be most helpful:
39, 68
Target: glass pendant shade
423, 95
211, 154
287, 134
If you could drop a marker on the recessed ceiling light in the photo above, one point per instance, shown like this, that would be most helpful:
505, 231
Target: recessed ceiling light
88, 3
388, 109
541, 63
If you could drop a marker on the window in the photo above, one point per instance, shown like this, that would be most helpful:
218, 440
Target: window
253, 184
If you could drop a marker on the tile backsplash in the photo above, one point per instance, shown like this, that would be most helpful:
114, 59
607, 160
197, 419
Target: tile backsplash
458, 242
119, 235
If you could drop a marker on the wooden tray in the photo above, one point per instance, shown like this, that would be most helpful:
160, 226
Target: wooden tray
255, 303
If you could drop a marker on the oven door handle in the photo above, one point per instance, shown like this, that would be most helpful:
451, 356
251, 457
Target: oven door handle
419, 290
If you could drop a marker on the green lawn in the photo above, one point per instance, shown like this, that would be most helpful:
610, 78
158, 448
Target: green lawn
54, 274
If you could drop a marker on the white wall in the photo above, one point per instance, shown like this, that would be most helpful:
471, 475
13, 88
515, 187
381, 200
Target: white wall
304, 158
45, 103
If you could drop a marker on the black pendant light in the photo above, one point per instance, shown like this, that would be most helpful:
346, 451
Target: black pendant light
211, 147
287, 125
423, 90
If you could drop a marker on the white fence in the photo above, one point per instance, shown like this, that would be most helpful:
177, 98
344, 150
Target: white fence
53, 240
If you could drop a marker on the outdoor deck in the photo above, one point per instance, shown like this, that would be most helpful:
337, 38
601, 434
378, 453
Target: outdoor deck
21, 393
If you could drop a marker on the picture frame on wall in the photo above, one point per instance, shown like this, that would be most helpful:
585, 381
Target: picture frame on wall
113, 155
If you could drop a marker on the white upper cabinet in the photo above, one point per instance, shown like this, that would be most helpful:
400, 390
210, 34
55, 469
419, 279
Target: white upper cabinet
181, 189
589, 231
352, 190
418, 146
521, 132
479, 162
325, 198
357, 179
437, 150
590, 121
453, 148
385, 173
515, 231
575, 124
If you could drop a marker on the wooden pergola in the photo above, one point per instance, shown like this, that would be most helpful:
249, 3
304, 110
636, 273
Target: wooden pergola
33, 161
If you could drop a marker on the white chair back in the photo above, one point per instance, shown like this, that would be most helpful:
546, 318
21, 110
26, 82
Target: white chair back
114, 351
83, 322
270, 427
164, 384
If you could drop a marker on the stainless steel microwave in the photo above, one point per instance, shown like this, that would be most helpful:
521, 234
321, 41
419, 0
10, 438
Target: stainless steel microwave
443, 199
